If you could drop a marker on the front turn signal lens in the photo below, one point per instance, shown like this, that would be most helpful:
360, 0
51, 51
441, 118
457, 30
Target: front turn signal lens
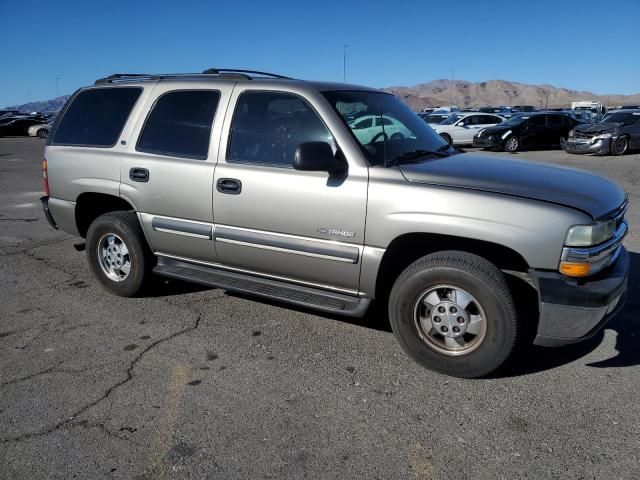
573, 269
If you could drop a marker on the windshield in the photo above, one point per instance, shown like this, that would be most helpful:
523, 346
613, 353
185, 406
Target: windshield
436, 118
385, 127
513, 121
625, 118
451, 120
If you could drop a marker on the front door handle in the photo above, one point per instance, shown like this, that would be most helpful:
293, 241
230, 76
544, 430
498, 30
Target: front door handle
139, 174
230, 186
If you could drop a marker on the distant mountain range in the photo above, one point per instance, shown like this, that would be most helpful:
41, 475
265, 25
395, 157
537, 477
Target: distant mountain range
465, 94
44, 106
498, 93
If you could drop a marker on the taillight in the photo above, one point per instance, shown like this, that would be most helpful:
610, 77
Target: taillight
44, 176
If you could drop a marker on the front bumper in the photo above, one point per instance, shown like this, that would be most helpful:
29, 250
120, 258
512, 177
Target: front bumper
599, 147
488, 142
573, 310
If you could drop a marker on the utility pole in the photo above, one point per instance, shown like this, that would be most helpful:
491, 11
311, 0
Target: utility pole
58, 87
451, 89
344, 63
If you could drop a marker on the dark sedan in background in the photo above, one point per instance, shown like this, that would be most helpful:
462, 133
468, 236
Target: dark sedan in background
530, 130
617, 133
18, 125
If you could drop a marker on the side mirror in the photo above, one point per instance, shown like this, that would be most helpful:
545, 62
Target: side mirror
317, 157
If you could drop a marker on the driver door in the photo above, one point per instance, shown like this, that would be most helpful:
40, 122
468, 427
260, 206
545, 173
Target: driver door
470, 128
302, 226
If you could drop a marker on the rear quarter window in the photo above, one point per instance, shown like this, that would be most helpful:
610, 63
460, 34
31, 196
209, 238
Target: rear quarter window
96, 117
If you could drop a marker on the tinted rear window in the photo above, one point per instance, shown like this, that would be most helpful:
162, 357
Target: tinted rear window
179, 124
96, 117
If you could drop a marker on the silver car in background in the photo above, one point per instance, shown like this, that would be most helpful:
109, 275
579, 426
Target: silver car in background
40, 131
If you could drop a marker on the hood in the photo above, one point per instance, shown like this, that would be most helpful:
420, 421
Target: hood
597, 127
497, 129
592, 194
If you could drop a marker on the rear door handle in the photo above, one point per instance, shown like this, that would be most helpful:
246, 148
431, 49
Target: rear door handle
139, 174
230, 186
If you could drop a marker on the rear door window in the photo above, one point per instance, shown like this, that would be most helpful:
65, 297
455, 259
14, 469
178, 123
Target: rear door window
538, 121
179, 124
96, 117
557, 120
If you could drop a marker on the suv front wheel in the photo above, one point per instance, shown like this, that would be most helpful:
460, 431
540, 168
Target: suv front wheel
118, 254
453, 313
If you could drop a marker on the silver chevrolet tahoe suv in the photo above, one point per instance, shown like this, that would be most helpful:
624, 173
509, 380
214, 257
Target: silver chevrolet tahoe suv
330, 196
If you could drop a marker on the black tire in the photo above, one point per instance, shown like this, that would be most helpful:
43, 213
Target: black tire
477, 277
512, 144
42, 133
620, 146
125, 226
447, 138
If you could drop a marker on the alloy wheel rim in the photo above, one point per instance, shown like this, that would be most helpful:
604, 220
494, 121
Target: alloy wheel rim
621, 145
512, 144
450, 320
114, 257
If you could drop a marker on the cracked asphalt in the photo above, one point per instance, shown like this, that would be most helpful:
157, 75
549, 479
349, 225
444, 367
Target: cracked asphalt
191, 382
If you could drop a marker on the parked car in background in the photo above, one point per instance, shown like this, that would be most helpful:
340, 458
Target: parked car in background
372, 128
617, 133
528, 130
459, 129
17, 126
39, 130
435, 118
9, 113
523, 108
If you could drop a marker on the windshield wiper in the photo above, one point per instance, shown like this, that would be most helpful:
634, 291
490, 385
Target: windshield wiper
413, 155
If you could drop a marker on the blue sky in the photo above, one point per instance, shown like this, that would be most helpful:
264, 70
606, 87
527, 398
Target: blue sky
586, 45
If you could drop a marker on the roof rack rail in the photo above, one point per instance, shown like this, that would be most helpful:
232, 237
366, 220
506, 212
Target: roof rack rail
220, 72
216, 71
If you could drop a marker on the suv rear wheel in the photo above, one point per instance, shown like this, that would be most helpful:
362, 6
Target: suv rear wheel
118, 253
453, 313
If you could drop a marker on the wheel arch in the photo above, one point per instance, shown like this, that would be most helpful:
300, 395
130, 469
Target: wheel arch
407, 248
90, 205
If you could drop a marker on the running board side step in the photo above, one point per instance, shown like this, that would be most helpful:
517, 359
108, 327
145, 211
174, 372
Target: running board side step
314, 298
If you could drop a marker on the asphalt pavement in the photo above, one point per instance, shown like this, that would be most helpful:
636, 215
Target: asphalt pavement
191, 382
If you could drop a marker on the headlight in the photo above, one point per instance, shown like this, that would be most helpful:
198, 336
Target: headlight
588, 235
571, 134
603, 136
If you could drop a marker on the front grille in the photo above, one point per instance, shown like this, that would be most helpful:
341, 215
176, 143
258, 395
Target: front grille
584, 136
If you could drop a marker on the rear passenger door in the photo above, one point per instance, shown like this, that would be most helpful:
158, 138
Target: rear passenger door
536, 132
168, 170
270, 219
559, 126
